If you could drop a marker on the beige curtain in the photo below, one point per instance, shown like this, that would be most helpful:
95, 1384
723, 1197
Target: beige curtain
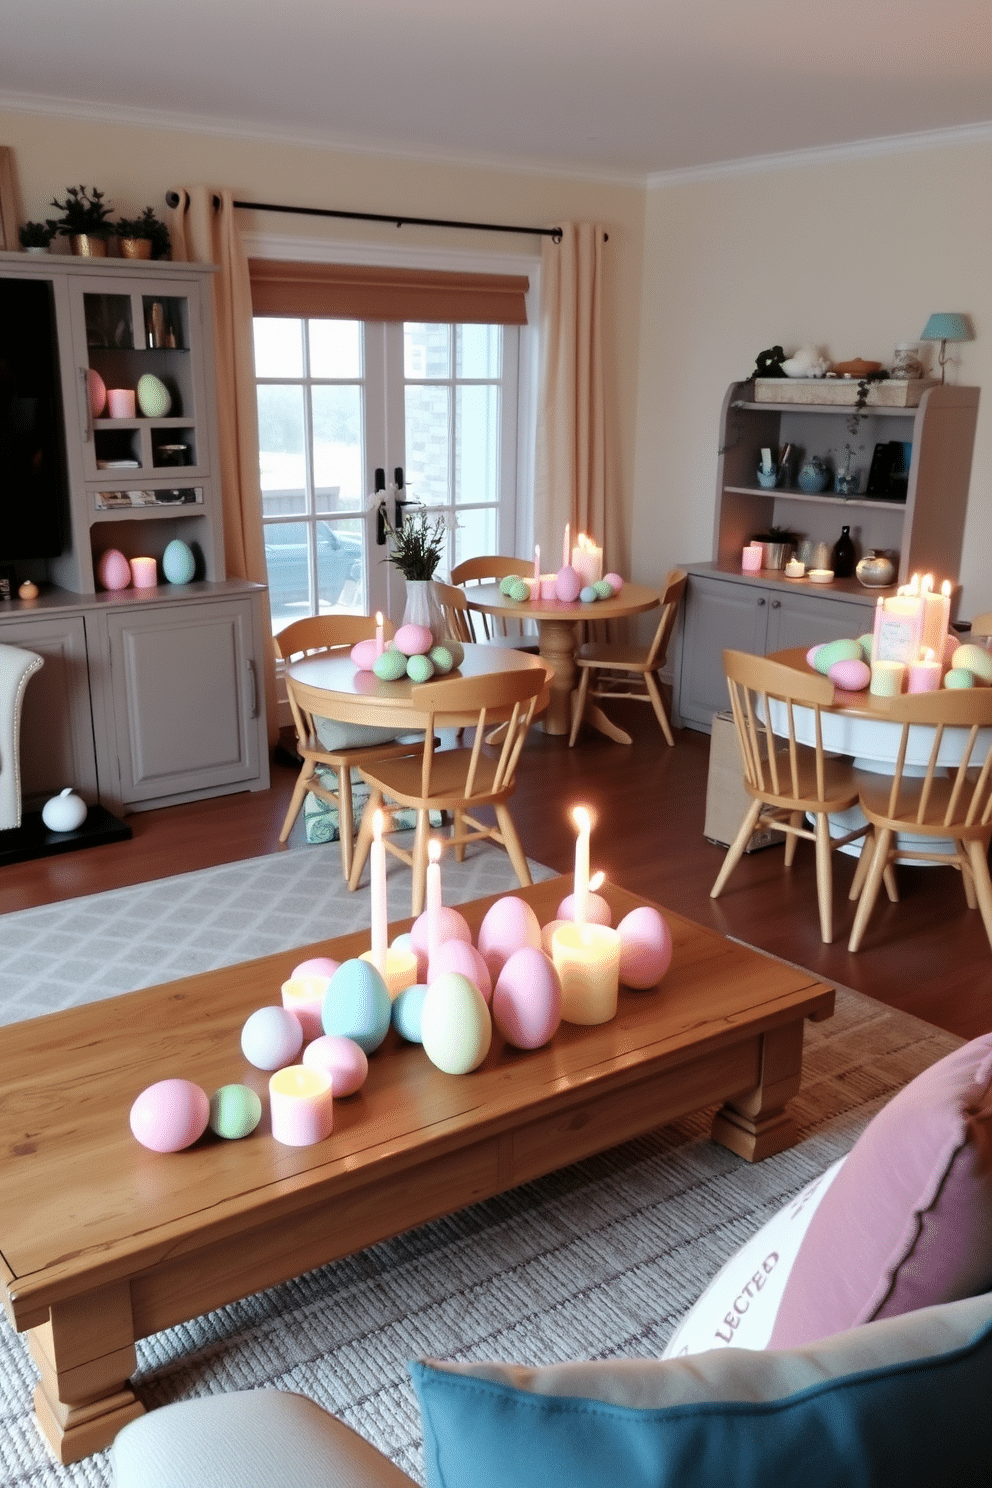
203, 233
575, 477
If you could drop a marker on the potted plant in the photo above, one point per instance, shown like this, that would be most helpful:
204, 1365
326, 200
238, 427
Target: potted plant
416, 549
779, 545
84, 221
142, 237
35, 237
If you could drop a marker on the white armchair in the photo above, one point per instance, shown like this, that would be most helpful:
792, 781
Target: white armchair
16, 667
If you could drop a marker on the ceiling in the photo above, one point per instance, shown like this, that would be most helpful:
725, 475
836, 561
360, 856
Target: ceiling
631, 88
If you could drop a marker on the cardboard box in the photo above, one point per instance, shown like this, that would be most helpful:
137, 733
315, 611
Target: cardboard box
726, 798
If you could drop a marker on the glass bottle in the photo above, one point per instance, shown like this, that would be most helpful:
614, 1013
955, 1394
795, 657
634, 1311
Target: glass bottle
843, 556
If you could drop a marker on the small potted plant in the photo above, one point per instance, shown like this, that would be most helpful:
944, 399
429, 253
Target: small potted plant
416, 549
84, 221
35, 237
142, 237
779, 545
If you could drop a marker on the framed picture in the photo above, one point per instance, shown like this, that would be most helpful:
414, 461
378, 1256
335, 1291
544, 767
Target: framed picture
8, 201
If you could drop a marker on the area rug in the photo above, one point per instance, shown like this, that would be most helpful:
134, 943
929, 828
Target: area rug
599, 1260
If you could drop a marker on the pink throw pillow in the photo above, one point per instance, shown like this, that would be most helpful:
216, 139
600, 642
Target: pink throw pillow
907, 1222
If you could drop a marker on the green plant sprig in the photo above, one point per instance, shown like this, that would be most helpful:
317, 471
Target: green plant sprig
83, 211
417, 545
146, 226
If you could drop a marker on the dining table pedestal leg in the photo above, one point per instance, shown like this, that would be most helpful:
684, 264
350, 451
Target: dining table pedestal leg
557, 646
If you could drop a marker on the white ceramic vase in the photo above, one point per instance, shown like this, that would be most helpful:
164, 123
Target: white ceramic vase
423, 608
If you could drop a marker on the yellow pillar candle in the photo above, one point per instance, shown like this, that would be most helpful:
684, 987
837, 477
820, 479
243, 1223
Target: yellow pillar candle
587, 960
399, 971
886, 678
304, 997
301, 1103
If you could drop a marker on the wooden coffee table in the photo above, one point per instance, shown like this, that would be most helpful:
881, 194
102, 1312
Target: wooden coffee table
103, 1242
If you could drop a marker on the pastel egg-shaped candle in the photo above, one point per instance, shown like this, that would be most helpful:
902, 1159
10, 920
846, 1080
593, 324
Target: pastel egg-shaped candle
598, 912
407, 1010
587, 594
604, 589
462, 956
98, 392
316, 966
390, 666
835, 651
507, 583
455, 1027
170, 1115
235, 1111
64, 812
342, 1058
645, 947
413, 640
568, 584
357, 1004
457, 651
113, 570
364, 653
452, 926
974, 659
509, 925
178, 562
519, 591
271, 1038
420, 668
527, 999
853, 675
154, 398
442, 659
958, 677
614, 580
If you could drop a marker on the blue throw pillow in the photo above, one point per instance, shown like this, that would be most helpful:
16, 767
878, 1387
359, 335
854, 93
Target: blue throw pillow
907, 1400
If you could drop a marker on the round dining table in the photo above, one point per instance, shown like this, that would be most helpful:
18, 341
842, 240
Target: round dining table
558, 642
330, 685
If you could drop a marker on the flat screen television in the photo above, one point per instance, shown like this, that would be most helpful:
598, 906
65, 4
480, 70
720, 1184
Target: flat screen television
33, 487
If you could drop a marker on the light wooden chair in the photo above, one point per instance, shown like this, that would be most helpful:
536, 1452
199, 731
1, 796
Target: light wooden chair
457, 615
612, 670
459, 780
785, 779
310, 637
981, 626
493, 628
952, 801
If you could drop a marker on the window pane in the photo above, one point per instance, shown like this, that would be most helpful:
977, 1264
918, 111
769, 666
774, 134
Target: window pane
337, 448
282, 463
428, 420
278, 347
335, 348
426, 350
478, 350
475, 533
477, 444
340, 569
288, 569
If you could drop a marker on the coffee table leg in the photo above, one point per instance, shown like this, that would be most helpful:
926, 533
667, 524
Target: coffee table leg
86, 1356
557, 646
756, 1124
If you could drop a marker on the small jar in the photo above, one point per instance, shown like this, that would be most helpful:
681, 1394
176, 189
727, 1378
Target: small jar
906, 363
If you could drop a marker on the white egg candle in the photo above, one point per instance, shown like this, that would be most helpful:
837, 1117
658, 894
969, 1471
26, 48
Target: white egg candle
587, 960
301, 1103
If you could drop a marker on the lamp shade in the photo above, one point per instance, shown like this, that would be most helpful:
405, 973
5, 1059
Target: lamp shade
947, 327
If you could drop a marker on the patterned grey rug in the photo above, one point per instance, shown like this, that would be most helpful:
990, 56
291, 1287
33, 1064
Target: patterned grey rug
598, 1260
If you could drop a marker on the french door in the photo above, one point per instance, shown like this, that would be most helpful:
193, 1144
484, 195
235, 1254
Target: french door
354, 414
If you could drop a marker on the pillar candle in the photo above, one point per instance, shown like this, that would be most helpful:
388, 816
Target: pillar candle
302, 1105
377, 870
566, 550
924, 676
898, 628
548, 586
399, 972
144, 573
120, 402
751, 558
587, 960
537, 563
886, 678
587, 560
936, 615
304, 997
580, 887
433, 899
380, 644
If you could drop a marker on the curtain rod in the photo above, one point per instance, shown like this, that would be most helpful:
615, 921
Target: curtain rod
172, 200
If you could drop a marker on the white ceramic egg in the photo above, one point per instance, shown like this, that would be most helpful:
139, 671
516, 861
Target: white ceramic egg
271, 1038
974, 659
461, 956
413, 640
568, 584
170, 1115
113, 570
455, 1027
527, 999
178, 562
614, 580
345, 1061
364, 653
407, 1009
645, 947
454, 926
154, 398
235, 1111
598, 912
509, 924
357, 1004
64, 812
852, 675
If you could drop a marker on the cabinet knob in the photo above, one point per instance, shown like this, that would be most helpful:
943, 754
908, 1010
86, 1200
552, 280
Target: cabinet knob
776, 604
760, 603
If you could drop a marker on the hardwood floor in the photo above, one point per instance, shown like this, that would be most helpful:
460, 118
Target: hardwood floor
928, 955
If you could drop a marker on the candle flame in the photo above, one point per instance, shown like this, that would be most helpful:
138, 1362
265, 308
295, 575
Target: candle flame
378, 617
597, 881
928, 653
434, 850
945, 588
582, 819
377, 826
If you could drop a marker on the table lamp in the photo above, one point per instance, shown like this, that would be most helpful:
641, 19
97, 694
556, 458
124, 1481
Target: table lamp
943, 328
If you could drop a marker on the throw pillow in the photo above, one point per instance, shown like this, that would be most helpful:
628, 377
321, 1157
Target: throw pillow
333, 735
904, 1400
907, 1222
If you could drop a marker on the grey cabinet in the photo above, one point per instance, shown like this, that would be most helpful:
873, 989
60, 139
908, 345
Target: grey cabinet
57, 744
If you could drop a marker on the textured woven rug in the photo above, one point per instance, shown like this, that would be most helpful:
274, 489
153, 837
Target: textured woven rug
598, 1260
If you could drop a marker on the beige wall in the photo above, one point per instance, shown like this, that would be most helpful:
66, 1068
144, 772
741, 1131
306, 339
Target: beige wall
135, 166
853, 255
